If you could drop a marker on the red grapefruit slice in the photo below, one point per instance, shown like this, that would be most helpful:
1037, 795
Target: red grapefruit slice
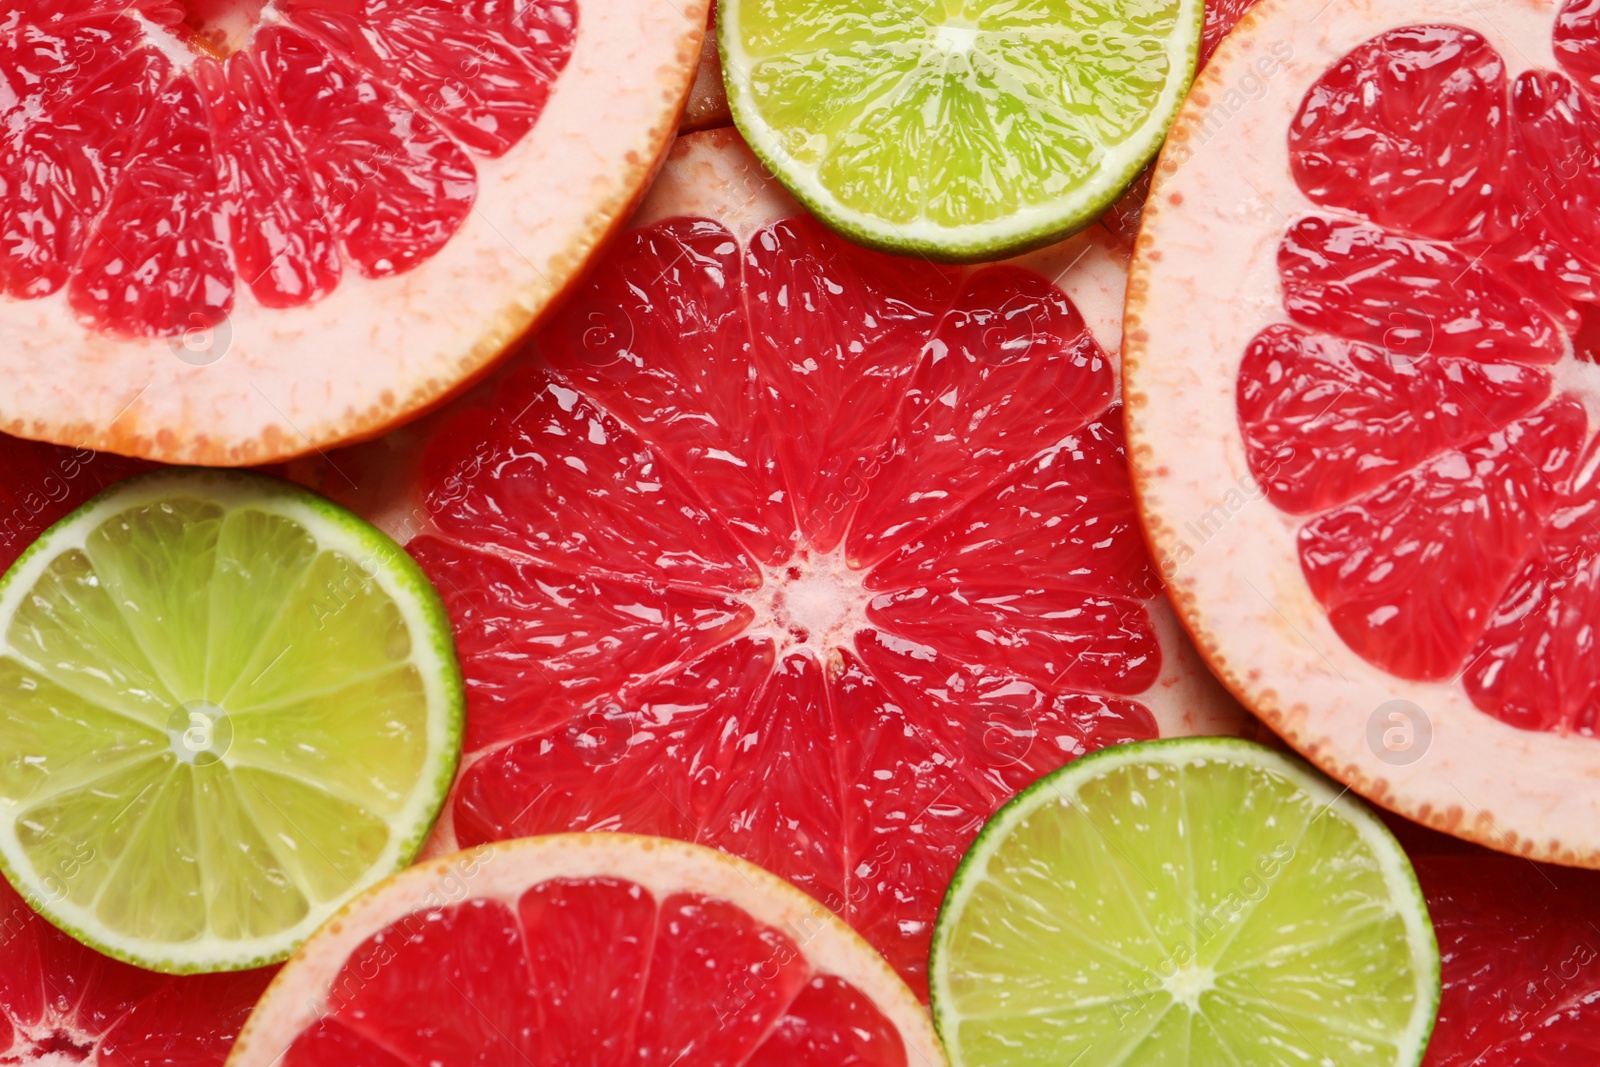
1520, 951
62, 1003
237, 230
808, 553
587, 948
1365, 442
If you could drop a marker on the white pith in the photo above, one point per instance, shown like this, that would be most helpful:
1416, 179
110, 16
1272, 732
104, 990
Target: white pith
294, 380
1205, 282
1062, 789
503, 872
815, 602
953, 40
407, 824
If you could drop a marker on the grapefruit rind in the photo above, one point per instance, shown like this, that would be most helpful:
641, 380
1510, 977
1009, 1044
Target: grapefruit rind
502, 871
1063, 786
288, 382
433, 651
974, 242
1223, 196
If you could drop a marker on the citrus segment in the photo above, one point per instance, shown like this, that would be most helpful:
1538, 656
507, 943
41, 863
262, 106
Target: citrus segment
193, 182
62, 1003
1395, 352
765, 551
195, 785
602, 948
1190, 901
953, 130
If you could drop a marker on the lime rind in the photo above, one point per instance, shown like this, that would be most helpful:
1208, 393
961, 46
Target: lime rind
1403, 890
432, 652
1111, 157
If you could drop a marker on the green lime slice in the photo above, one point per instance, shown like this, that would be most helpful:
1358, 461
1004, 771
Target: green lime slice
957, 129
226, 706
1199, 901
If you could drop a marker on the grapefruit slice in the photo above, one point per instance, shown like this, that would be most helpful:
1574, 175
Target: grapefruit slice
237, 230
1519, 944
1366, 451
587, 948
62, 1003
790, 548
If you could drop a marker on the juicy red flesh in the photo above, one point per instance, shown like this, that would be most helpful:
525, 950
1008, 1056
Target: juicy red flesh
1520, 962
1413, 412
59, 996
592, 971
705, 422
342, 138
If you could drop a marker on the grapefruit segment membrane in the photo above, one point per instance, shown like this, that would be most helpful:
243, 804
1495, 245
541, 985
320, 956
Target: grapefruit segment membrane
263, 183
599, 948
1397, 355
761, 549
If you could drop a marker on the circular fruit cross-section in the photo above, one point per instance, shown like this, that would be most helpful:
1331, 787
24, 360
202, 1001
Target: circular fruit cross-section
794, 549
238, 230
958, 131
1195, 901
229, 705
601, 949
1361, 377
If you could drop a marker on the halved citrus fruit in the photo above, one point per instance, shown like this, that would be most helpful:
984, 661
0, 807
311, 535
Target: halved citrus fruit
956, 130
64, 1003
1365, 447
600, 949
1520, 945
235, 230
1198, 901
782, 546
226, 706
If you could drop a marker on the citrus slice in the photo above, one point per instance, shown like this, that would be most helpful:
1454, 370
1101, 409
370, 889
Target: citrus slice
1366, 450
959, 131
203, 199
64, 1003
598, 949
1519, 944
793, 549
1204, 901
226, 706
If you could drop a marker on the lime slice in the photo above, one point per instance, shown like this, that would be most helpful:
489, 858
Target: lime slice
1195, 901
958, 129
226, 706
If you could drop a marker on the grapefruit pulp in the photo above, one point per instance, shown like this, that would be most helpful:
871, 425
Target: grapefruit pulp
63, 1003
235, 230
790, 548
599, 949
1390, 343
1520, 946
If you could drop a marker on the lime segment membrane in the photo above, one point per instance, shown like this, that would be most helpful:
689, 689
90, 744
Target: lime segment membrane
226, 705
1203, 901
957, 130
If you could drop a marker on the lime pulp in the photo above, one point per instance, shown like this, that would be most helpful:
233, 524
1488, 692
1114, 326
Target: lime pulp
1197, 901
